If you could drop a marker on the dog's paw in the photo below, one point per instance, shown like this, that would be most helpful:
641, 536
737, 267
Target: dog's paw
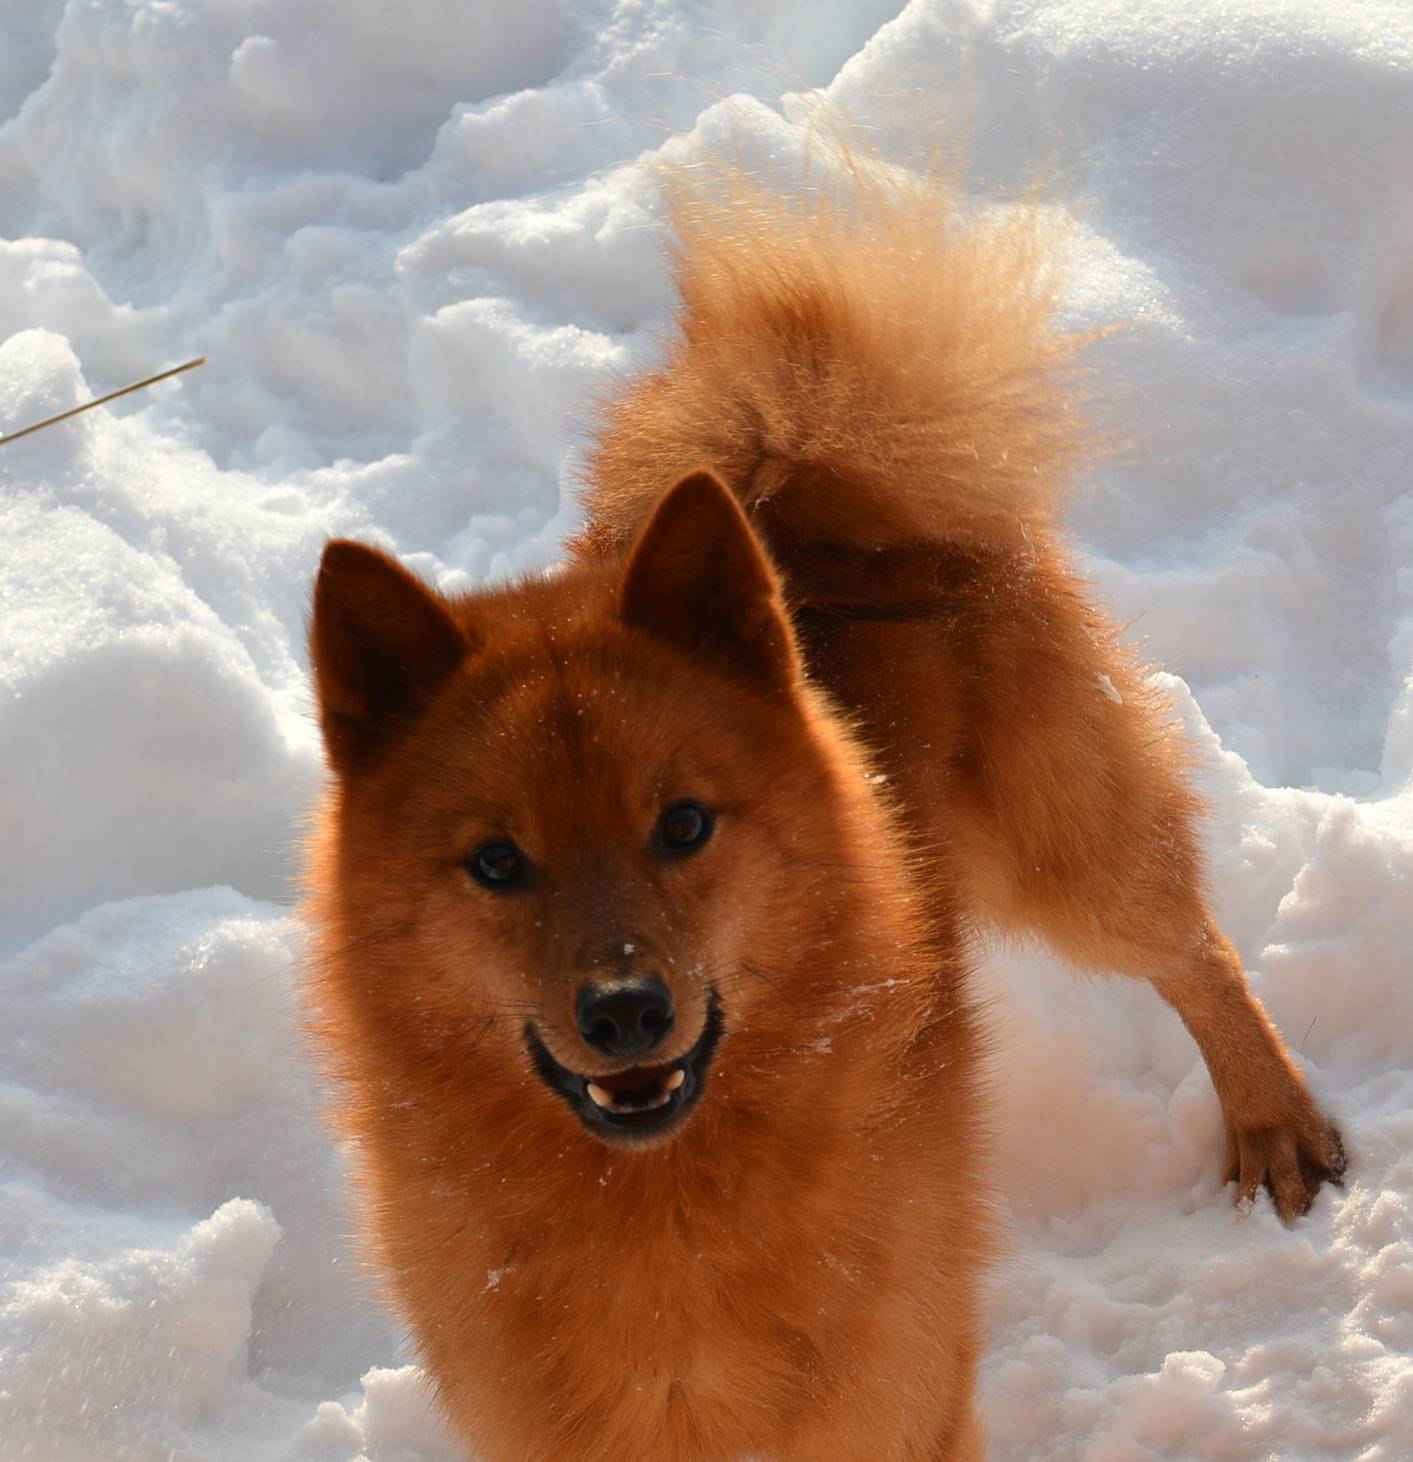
1290, 1162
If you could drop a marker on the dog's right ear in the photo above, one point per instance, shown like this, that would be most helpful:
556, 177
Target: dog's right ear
380, 642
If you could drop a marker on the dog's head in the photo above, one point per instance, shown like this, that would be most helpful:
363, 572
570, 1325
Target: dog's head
585, 827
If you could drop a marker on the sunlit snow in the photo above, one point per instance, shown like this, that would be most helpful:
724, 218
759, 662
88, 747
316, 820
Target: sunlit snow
413, 241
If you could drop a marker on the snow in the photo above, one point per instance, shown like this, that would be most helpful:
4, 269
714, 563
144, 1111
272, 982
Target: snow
413, 247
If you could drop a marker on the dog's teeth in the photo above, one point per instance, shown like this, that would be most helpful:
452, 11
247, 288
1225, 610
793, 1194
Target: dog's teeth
609, 1100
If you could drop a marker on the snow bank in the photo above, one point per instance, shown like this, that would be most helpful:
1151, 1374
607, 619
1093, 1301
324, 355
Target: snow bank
412, 248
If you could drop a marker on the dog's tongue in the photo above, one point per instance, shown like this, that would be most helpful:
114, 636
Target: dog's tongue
634, 1079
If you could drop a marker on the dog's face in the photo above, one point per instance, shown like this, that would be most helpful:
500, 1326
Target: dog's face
578, 814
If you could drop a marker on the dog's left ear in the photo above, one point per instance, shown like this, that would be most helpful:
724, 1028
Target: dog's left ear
698, 579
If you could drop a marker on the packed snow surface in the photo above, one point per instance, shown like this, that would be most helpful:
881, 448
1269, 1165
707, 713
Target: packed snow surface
413, 241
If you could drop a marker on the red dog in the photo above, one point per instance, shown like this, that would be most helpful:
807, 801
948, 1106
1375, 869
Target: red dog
647, 1002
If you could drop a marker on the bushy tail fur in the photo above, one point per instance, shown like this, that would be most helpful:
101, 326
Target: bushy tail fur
867, 358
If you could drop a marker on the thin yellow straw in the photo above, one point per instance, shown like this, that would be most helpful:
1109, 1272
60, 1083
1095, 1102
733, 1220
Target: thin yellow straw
24, 431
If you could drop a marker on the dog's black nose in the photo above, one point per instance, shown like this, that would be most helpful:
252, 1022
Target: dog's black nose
625, 1018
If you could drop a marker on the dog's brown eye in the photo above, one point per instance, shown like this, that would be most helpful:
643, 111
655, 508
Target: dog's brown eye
683, 828
499, 867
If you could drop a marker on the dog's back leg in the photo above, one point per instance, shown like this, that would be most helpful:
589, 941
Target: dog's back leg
1038, 760
1276, 1135
1074, 818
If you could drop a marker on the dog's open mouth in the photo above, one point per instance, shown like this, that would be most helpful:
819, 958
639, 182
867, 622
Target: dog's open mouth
641, 1102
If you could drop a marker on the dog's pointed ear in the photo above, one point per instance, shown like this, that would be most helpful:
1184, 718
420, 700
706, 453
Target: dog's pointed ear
380, 642
698, 579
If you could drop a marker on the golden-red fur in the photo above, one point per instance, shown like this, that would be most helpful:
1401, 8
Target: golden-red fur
875, 376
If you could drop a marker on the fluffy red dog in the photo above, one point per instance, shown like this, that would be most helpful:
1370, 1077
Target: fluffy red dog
646, 1001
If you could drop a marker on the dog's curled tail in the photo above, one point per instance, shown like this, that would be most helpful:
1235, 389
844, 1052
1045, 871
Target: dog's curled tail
868, 359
